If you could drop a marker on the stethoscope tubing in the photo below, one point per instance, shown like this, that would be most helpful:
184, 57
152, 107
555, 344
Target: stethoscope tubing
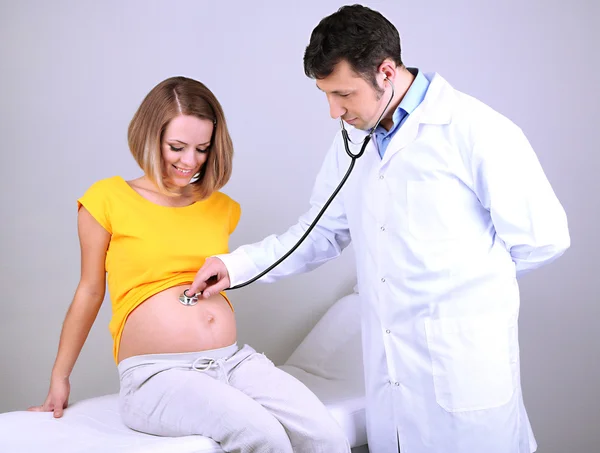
353, 158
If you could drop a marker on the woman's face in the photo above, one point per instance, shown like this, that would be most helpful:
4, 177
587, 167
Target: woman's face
184, 147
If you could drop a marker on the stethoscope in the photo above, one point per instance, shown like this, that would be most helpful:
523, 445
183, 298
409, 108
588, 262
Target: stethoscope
193, 300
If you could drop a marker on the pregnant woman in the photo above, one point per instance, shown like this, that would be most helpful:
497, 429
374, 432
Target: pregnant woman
181, 370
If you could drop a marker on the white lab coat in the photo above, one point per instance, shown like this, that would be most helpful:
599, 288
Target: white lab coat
441, 226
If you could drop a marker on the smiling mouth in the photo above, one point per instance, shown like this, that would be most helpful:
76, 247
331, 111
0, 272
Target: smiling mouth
183, 171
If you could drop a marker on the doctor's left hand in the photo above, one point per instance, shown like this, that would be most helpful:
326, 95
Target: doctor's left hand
212, 278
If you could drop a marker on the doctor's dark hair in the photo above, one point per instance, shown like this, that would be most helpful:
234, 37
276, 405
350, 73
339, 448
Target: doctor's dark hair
170, 98
357, 34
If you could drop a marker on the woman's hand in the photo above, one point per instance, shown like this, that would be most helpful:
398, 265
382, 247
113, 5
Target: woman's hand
57, 399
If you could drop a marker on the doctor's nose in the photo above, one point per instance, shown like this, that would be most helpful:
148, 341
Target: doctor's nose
336, 110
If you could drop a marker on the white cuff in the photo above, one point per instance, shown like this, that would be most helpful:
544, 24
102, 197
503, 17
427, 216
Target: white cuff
239, 266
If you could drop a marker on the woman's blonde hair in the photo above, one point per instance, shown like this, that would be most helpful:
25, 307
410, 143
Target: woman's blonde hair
170, 98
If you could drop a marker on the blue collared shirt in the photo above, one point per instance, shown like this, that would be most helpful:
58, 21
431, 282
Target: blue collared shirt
411, 100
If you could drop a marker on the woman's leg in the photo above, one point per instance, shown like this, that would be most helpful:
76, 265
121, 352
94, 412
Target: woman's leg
308, 423
179, 402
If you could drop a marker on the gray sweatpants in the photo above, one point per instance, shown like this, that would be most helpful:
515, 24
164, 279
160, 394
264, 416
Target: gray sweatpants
237, 397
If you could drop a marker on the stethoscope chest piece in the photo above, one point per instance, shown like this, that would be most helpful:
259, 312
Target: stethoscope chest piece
187, 300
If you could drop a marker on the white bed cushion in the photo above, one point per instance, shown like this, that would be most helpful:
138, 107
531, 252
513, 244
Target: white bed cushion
333, 348
328, 361
345, 400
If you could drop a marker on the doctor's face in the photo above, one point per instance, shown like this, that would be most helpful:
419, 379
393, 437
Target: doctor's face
351, 97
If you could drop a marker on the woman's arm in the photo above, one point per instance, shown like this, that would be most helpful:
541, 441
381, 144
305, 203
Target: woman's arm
94, 240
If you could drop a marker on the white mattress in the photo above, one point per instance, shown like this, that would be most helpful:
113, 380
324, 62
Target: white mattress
94, 425
328, 361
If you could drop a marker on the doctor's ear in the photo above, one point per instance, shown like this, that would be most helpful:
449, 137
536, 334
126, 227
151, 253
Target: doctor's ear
388, 75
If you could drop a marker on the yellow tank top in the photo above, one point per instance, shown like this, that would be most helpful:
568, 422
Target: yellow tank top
154, 247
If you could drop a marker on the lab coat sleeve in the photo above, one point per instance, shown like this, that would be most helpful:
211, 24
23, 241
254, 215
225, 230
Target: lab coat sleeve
512, 186
325, 242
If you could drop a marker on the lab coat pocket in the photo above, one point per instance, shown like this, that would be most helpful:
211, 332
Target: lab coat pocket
471, 360
432, 213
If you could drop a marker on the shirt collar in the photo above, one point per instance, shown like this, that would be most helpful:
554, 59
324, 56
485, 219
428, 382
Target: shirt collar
411, 100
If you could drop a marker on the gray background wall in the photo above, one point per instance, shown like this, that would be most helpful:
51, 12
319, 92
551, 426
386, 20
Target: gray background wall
74, 72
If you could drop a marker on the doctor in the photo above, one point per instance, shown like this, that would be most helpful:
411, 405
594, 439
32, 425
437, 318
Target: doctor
446, 208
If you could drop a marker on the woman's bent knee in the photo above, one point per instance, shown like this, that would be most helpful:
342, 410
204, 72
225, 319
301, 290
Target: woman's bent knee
335, 441
262, 435
328, 438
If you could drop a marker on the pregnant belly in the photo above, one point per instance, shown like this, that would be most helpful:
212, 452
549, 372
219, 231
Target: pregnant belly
161, 324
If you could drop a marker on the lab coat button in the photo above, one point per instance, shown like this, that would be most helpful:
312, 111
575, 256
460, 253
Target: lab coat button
382, 228
396, 384
380, 176
383, 280
388, 331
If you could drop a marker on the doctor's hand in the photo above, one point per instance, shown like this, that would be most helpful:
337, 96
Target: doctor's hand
211, 279
57, 399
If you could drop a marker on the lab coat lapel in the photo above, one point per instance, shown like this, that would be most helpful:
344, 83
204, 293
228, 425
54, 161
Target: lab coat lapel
436, 108
405, 136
